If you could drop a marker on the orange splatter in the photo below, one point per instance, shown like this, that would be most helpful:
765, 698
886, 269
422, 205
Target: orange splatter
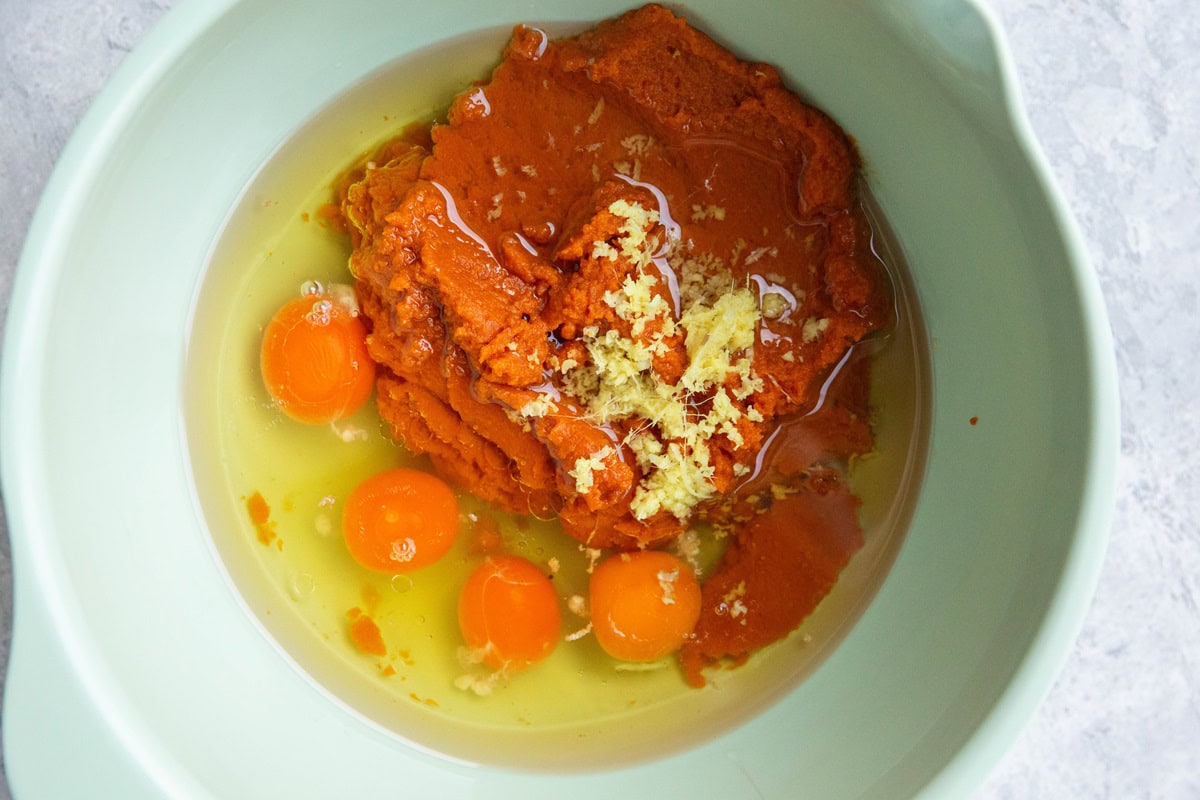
260, 515
260, 512
974, 420
365, 633
429, 701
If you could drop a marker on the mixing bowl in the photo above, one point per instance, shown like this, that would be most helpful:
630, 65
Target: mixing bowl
136, 669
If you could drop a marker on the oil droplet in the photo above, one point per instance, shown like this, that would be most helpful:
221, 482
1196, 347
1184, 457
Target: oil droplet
543, 40
321, 314
311, 289
302, 586
478, 102
401, 583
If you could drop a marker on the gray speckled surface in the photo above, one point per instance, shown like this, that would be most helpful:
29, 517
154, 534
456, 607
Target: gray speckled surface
1113, 91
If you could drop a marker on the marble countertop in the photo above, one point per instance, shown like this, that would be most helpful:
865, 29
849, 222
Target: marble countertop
1112, 88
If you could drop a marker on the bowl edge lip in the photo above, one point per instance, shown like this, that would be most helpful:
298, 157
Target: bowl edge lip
126, 90
139, 74
1063, 619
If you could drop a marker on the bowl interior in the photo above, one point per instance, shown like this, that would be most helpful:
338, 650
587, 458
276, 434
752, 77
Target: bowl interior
575, 712
964, 634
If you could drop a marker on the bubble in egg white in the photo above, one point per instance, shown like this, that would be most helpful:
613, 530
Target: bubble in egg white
311, 288
303, 584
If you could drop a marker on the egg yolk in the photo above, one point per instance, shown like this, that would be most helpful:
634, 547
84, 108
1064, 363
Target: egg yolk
400, 520
314, 360
508, 612
643, 604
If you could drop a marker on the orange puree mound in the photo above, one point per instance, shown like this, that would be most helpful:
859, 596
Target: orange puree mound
781, 565
605, 280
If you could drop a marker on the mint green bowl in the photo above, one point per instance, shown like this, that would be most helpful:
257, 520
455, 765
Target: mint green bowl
135, 670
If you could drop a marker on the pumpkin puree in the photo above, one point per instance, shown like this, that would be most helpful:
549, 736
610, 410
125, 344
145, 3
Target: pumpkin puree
624, 283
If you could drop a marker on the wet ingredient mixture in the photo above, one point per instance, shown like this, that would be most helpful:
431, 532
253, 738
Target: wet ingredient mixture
629, 283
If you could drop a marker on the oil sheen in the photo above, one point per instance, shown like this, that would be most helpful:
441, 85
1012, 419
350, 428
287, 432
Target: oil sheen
578, 708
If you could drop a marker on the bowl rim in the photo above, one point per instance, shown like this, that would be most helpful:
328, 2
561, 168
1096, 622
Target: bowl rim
1064, 617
